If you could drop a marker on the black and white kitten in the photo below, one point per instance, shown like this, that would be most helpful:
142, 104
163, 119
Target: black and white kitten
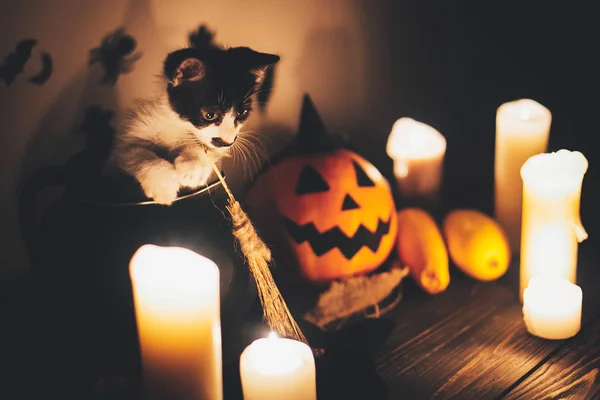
166, 142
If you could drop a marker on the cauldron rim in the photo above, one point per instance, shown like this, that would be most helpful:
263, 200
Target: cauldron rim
204, 189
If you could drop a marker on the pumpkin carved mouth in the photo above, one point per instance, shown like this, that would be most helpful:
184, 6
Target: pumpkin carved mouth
321, 243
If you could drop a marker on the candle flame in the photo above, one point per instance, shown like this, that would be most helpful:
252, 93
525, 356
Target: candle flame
411, 139
275, 357
167, 278
560, 171
525, 113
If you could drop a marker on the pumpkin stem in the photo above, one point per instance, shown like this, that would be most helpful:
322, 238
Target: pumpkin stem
312, 133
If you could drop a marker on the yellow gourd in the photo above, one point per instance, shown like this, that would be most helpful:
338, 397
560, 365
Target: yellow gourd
477, 244
421, 248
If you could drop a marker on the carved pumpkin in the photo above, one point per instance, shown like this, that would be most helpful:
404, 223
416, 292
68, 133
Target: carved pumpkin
334, 208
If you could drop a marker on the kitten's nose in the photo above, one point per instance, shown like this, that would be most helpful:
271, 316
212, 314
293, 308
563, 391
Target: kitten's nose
218, 142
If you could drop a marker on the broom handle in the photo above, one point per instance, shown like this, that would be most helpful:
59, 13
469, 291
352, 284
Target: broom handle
220, 176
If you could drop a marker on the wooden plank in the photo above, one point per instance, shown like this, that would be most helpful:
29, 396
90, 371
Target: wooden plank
573, 372
436, 323
420, 314
349, 372
487, 360
449, 345
479, 351
477, 354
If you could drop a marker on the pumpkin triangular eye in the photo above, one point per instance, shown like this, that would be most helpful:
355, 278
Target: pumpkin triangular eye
362, 178
311, 182
349, 203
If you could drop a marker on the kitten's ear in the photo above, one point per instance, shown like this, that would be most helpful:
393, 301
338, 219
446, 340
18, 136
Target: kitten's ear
256, 62
261, 63
183, 65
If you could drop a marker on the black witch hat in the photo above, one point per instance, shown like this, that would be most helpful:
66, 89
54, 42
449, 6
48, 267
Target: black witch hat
312, 136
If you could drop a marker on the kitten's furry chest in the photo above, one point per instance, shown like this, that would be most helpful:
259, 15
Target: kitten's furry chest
156, 122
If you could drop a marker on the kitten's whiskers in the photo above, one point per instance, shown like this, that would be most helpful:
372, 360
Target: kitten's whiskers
253, 95
254, 152
238, 147
248, 94
256, 145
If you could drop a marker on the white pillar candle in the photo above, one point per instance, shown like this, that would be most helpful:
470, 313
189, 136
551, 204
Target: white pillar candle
522, 130
275, 368
551, 228
552, 308
418, 152
177, 307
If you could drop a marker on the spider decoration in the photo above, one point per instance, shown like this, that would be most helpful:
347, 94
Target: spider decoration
201, 38
115, 55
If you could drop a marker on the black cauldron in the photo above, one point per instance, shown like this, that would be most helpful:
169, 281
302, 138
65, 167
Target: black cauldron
80, 251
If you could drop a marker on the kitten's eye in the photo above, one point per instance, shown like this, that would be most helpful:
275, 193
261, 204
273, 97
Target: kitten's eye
242, 113
209, 116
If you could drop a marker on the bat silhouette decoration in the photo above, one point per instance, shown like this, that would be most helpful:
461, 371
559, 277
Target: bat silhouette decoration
46, 72
14, 63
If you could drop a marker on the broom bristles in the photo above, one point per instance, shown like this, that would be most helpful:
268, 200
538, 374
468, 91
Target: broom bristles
275, 311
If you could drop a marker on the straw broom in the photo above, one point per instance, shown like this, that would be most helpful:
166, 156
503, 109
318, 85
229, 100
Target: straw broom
275, 311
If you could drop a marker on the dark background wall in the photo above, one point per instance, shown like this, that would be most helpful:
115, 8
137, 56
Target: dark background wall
365, 63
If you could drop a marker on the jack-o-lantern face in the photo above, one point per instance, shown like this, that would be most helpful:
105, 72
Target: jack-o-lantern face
338, 213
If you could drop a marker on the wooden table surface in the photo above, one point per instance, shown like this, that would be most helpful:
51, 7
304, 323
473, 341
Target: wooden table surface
466, 343
470, 343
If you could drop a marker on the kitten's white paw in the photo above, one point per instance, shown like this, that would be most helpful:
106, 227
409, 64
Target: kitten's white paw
192, 173
161, 184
